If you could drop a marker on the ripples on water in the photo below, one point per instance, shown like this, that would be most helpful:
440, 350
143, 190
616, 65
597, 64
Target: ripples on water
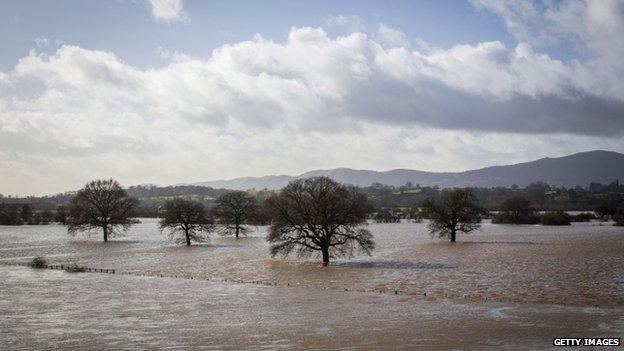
525, 273
582, 264
45, 309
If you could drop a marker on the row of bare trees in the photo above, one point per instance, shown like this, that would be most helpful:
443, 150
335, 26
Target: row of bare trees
192, 219
315, 215
104, 205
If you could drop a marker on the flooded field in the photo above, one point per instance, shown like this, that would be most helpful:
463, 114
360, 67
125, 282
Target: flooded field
506, 286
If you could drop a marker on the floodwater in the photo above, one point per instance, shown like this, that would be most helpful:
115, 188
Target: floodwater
511, 287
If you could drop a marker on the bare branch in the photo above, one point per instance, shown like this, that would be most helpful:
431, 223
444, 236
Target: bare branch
318, 214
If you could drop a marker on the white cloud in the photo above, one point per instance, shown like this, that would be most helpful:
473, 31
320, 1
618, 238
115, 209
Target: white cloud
349, 23
260, 107
425, 45
594, 27
393, 37
168, 10
42, 42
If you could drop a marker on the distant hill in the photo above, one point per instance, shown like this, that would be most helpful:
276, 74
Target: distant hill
578, 169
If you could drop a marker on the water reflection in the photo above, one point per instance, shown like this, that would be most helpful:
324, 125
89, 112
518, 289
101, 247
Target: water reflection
582, 264
44, 309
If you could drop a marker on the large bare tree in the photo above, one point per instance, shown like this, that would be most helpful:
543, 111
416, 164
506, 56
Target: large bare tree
189, 218
234, 209
319, 215
101, 204
456, 211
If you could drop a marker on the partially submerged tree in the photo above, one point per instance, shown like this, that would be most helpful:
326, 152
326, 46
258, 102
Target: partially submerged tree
38, 262
456, 211
234, 209
61, 215
606, 209
319, 214
582, 217
101, 204
27, 213
517, 210
263, 213
415, 214
611, 209
186, 217
555, 218
385, 215
10, 214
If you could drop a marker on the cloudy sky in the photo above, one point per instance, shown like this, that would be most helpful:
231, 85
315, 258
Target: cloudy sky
170, 91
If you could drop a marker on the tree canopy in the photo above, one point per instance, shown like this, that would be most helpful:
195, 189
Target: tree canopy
101, 204
319, 215
186, 217
456, 211
234, 209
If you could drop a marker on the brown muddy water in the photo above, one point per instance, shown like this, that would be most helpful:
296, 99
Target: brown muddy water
505, 287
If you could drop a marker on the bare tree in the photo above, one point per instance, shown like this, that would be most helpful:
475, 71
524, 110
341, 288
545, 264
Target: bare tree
319, 214
187, 217
101, 204
457, 211
234, 209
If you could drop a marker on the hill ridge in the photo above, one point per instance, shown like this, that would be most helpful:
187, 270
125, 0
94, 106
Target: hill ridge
583, 168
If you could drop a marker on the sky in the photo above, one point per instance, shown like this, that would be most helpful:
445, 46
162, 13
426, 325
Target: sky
179, 91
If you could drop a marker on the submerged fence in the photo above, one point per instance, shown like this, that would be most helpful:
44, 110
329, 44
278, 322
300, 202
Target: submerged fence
72, 268
63, 267
79, 269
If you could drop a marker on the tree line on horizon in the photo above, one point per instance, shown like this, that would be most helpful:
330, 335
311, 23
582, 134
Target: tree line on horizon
541, 195
308, 216
388, 203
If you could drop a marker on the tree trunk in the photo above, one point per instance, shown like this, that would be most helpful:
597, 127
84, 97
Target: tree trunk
237, 229
453, 234
105, 233
325, 251
188, 238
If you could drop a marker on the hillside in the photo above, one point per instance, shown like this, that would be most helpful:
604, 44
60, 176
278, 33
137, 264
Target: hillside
577, 169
